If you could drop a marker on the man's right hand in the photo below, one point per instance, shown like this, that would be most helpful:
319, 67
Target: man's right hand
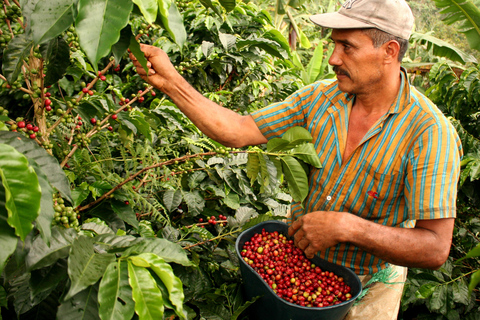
161, 72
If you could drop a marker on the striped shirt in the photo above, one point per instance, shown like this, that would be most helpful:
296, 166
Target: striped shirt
405, 169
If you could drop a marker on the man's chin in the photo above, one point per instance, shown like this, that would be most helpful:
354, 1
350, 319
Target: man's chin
344, 87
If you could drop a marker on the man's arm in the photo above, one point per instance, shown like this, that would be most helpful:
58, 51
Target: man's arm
425, 246
221, 124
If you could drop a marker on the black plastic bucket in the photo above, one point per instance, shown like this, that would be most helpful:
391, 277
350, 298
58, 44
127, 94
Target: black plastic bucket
271, 307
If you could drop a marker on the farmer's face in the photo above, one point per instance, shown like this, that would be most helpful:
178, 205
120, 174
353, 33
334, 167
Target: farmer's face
357, 63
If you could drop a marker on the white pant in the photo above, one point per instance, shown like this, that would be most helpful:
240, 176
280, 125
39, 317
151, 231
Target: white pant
382, 301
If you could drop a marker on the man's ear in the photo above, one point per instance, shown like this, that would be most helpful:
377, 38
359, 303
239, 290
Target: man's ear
392, 50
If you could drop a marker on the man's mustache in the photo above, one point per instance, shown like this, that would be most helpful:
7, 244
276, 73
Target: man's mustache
338, 71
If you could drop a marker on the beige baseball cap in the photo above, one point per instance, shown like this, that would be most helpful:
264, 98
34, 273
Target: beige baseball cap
392, 16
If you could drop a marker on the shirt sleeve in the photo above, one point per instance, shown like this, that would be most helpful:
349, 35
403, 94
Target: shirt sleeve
433, 171
277, 118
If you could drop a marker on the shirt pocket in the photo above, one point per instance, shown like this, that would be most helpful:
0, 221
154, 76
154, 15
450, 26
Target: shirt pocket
381, 192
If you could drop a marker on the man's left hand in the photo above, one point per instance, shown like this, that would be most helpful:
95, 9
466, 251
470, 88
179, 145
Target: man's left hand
316, 231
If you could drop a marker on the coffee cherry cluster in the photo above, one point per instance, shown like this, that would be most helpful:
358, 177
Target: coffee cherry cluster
222, 220
64, 216
188, 66
290, 274
72, 39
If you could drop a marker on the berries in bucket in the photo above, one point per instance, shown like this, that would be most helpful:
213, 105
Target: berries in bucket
281, 284
290, 274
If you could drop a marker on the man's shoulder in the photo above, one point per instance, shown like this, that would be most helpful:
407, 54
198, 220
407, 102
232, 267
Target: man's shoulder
429, 115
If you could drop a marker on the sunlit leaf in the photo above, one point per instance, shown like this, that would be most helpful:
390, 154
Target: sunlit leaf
98, 25
147, 296
165, 273
115, 293
22, 190
296, 178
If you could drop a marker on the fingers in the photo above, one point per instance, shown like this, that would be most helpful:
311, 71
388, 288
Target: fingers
309, 252
294, 227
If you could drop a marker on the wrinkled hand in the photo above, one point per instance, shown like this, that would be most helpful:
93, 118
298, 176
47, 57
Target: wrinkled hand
316, 231
161, 72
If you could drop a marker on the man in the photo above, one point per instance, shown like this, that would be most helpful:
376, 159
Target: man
386, 193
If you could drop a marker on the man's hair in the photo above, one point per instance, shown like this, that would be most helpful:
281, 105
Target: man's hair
380, 37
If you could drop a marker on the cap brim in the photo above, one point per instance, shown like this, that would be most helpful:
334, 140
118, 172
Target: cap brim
336, 20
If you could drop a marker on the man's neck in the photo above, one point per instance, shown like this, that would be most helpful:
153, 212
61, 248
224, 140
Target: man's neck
377, 101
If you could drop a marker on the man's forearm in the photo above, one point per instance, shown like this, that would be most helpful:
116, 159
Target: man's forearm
425, 246
221, 124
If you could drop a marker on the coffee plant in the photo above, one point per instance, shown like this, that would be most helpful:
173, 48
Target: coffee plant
107, 188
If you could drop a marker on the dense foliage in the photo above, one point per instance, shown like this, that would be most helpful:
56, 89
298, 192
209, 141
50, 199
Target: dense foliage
113, 205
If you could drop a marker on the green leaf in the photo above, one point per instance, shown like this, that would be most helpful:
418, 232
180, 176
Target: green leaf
41, 255
194, 179
253, 166
314, 68
50, 18
17, 50
297, 135
278, 37
142, 126
22, 190
296, 178
149, 9
426, 290
3, 297
229, 5
125, 212
232, 200
442, 48
172, 21
209, 5
134, 47
460, 292
165, 273
80, 193
8, 240
474, 280
438, 300
31, 149
475, 252
47, 213
98, 25
97, 228
147, 296
44, 281
465, 12
269, 46
85, 266
169, 251
83, 305
277, 144
172, 199
121, 47
228, 41
307, 153
115, 293
57, 53
194, 201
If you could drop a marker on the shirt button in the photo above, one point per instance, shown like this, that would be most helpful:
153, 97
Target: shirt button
329, 198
